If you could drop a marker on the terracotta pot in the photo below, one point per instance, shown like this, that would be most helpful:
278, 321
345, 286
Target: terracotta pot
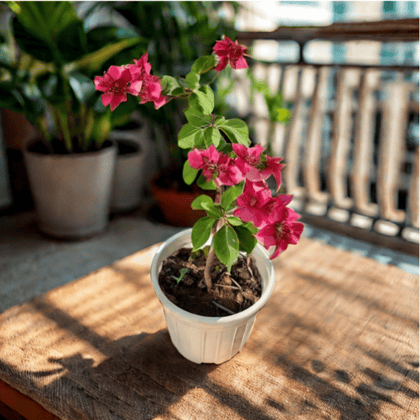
176, 205
203, 339
17, 130
72, 193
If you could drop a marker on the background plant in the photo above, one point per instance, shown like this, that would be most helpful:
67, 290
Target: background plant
46, 69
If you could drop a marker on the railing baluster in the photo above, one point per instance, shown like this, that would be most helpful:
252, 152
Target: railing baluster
292, 147
392, 148
364, 144
413, 201
338, 164
312, 154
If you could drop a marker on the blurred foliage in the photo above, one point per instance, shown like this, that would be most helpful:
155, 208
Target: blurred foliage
47, 63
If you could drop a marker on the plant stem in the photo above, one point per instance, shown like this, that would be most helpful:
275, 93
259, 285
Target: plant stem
64, 125
211, 256
41, 125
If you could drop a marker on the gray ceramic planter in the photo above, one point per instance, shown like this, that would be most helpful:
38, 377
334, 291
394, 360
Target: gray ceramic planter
72, 193
129, 178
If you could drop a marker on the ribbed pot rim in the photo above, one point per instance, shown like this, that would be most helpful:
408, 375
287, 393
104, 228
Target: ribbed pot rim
112, 148
214, 321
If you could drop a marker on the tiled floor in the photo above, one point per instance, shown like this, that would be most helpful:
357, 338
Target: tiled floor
31, 264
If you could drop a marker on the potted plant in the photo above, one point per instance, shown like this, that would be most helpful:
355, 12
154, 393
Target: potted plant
212, 279
133, 138
49, 79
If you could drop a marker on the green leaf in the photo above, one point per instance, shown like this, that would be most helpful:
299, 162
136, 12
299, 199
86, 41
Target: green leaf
187, 135
53, 88
82, 86
203, 99
189, 174
34, 46
108, 34
247, 240
250, 226
226, 246
205, 202
283, 115
37, 25
237, 131
231, 194
211, 136
212, 210
234, 221
182, 273
219, 121
202, 183
72, 41
192, 80
204, 64
94, 61
196, 118
197, 204
169, 85
201, 231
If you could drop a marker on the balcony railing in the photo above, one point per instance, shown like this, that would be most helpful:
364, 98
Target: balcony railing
351, 147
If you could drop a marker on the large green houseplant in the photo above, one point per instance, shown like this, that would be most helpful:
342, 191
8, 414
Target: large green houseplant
46, 74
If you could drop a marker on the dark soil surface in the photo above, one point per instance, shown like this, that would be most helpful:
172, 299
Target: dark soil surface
231, 293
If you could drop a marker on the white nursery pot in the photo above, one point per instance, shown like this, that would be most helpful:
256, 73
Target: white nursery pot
203, 339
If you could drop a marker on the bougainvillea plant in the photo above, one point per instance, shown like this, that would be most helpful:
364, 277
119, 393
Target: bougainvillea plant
221, 158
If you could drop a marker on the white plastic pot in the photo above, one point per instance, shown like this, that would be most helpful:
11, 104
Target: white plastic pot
203, 339
72, 193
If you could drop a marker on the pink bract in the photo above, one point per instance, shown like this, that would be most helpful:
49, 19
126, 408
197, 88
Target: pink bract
255, 203
230, 52
151, 89
252, 165
273, 167
141, 67
115, 84
216, 166
282, 231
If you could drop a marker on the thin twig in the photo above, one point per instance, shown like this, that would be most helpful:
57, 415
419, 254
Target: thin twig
225, 285
222, 307
239, 286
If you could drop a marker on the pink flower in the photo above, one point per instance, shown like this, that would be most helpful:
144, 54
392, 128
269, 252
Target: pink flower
255, 203
151, 89
273, 167
141, 67
115, 84
282, 230
255, 166
229, 51
215, 165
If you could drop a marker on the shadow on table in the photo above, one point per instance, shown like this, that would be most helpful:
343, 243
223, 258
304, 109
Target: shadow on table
143, 377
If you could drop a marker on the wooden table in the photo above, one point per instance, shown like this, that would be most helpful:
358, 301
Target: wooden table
337, 340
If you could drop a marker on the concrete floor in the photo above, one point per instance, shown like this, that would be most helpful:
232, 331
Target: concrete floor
31, 264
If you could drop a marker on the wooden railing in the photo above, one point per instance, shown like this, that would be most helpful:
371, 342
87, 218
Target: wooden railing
361, 177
